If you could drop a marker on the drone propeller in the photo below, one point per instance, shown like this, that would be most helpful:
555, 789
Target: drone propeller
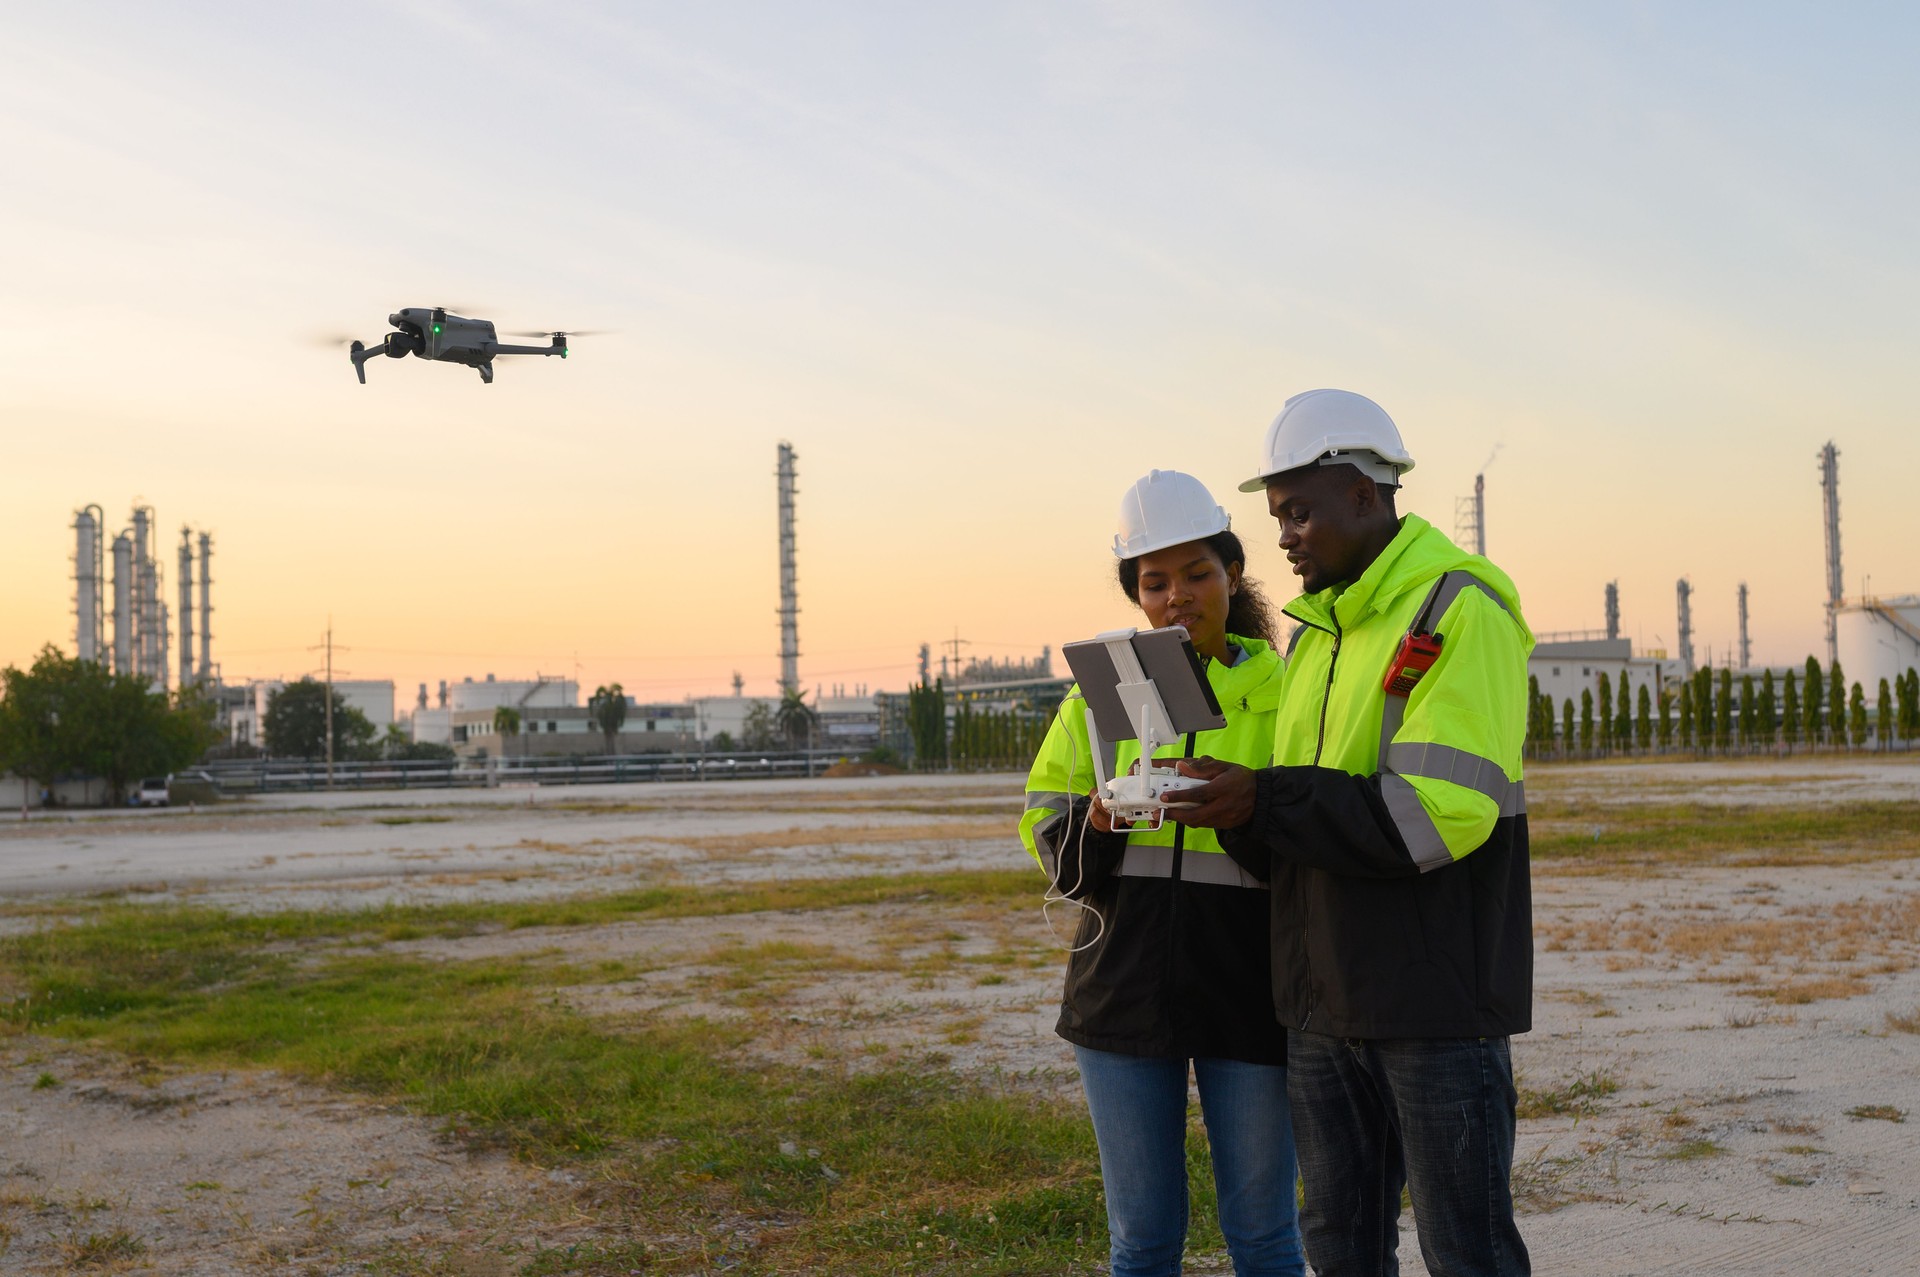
569, 332
331, 339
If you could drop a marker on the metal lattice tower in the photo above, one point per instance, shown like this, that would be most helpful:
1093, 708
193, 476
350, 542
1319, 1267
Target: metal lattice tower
1470, 518
1613, 609
789, 577
89, 584
1746, 646
1683, 590
1830, 502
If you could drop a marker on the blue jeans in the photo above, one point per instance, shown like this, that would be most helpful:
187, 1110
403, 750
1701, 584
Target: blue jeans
1139, 1108
1434, 1114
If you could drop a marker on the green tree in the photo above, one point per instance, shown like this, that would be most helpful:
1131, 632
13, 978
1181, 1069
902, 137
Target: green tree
1836, 705
1883, 716
396, 746
1548, 730
296, 724
1606, 711
723, 742
1666, 719
65, 716
795, 718
1643, 726
1749, 713
506, 725
1566, 727
1535, 732
1910, 705
1586, 720
1723, 711
1686, 714
1857, 717
1812, 721
1790, 713
927, 724
1623, 715
1769, 709
757, 729
607, 707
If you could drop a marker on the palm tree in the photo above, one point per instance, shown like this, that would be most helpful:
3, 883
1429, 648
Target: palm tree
608, 710
795, 718
506, 722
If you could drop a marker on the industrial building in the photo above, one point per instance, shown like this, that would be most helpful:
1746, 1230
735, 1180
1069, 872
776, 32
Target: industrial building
558, 731
247, 711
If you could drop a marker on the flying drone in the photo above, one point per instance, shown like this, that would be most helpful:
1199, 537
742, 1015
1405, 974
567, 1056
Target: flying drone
432, 333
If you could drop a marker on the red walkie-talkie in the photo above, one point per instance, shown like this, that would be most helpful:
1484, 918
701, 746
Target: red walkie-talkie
1416, 656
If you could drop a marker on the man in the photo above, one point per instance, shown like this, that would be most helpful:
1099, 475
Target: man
1392, 828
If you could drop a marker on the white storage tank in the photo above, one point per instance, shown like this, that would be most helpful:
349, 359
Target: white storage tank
1879, 638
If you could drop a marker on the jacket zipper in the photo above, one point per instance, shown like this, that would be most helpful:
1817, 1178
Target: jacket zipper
1319, 745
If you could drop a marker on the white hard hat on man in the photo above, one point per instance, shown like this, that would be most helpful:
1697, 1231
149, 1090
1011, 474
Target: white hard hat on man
1333, 428
1166, 508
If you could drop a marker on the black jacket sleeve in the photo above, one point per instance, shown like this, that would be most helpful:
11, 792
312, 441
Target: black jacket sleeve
1321, 817
1087, 857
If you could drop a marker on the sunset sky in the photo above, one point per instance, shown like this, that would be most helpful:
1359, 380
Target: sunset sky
983, 265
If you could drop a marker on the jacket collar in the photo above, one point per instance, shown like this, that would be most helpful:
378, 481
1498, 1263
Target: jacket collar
1418, 553
1254, 680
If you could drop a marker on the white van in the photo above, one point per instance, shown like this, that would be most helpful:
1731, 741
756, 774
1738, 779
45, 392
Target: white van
152, 792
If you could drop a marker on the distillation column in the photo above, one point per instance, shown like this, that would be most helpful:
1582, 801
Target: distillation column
89, 582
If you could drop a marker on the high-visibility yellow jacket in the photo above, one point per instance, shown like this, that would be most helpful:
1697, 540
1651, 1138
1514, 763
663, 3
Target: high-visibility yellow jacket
1394, 828
1181, 968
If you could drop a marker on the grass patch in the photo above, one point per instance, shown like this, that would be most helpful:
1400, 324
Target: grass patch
412, 820
1692, 1151
1876, 1112
1580, 1097
919, 1170
1591, 835
100, 1250
45, 1082
1791, 1181
1909, 1023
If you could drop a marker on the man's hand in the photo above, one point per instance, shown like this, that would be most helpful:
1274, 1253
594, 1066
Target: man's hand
1224, 802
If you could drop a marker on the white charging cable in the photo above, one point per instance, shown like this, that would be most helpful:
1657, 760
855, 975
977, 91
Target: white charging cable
1054, 895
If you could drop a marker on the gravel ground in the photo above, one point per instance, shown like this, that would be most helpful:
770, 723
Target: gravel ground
1724, 1044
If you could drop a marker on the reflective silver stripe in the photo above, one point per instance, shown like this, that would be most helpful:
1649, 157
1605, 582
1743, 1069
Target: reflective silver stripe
1051, 799
1294, 640
1144, 860
1424, 843
1436, 762
1457, 767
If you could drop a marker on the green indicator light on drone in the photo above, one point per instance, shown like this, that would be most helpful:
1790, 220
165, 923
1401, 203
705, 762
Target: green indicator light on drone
436, 330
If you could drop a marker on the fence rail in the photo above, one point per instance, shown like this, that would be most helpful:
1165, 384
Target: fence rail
263, 776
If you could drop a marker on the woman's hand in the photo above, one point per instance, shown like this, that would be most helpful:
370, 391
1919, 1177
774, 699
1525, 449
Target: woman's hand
1097, 814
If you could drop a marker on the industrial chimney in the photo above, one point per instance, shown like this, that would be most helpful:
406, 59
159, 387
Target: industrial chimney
789, 582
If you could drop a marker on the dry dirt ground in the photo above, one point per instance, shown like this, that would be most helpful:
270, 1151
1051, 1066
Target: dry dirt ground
1720, 1078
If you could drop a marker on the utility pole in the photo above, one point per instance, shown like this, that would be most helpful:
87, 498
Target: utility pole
329, 702
1746, 644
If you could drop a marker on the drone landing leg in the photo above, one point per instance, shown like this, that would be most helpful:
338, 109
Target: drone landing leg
486, 373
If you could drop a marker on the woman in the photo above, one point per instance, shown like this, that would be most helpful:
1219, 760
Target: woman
1170, 966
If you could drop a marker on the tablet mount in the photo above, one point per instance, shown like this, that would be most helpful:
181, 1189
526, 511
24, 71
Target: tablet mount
1129, 679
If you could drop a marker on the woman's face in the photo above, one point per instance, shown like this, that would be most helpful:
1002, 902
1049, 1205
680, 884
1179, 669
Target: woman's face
1188, 585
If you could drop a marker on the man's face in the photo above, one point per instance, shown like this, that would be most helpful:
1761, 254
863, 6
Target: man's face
1323, 513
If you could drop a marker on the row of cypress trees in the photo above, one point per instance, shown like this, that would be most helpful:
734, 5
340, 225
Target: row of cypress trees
1711, 713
